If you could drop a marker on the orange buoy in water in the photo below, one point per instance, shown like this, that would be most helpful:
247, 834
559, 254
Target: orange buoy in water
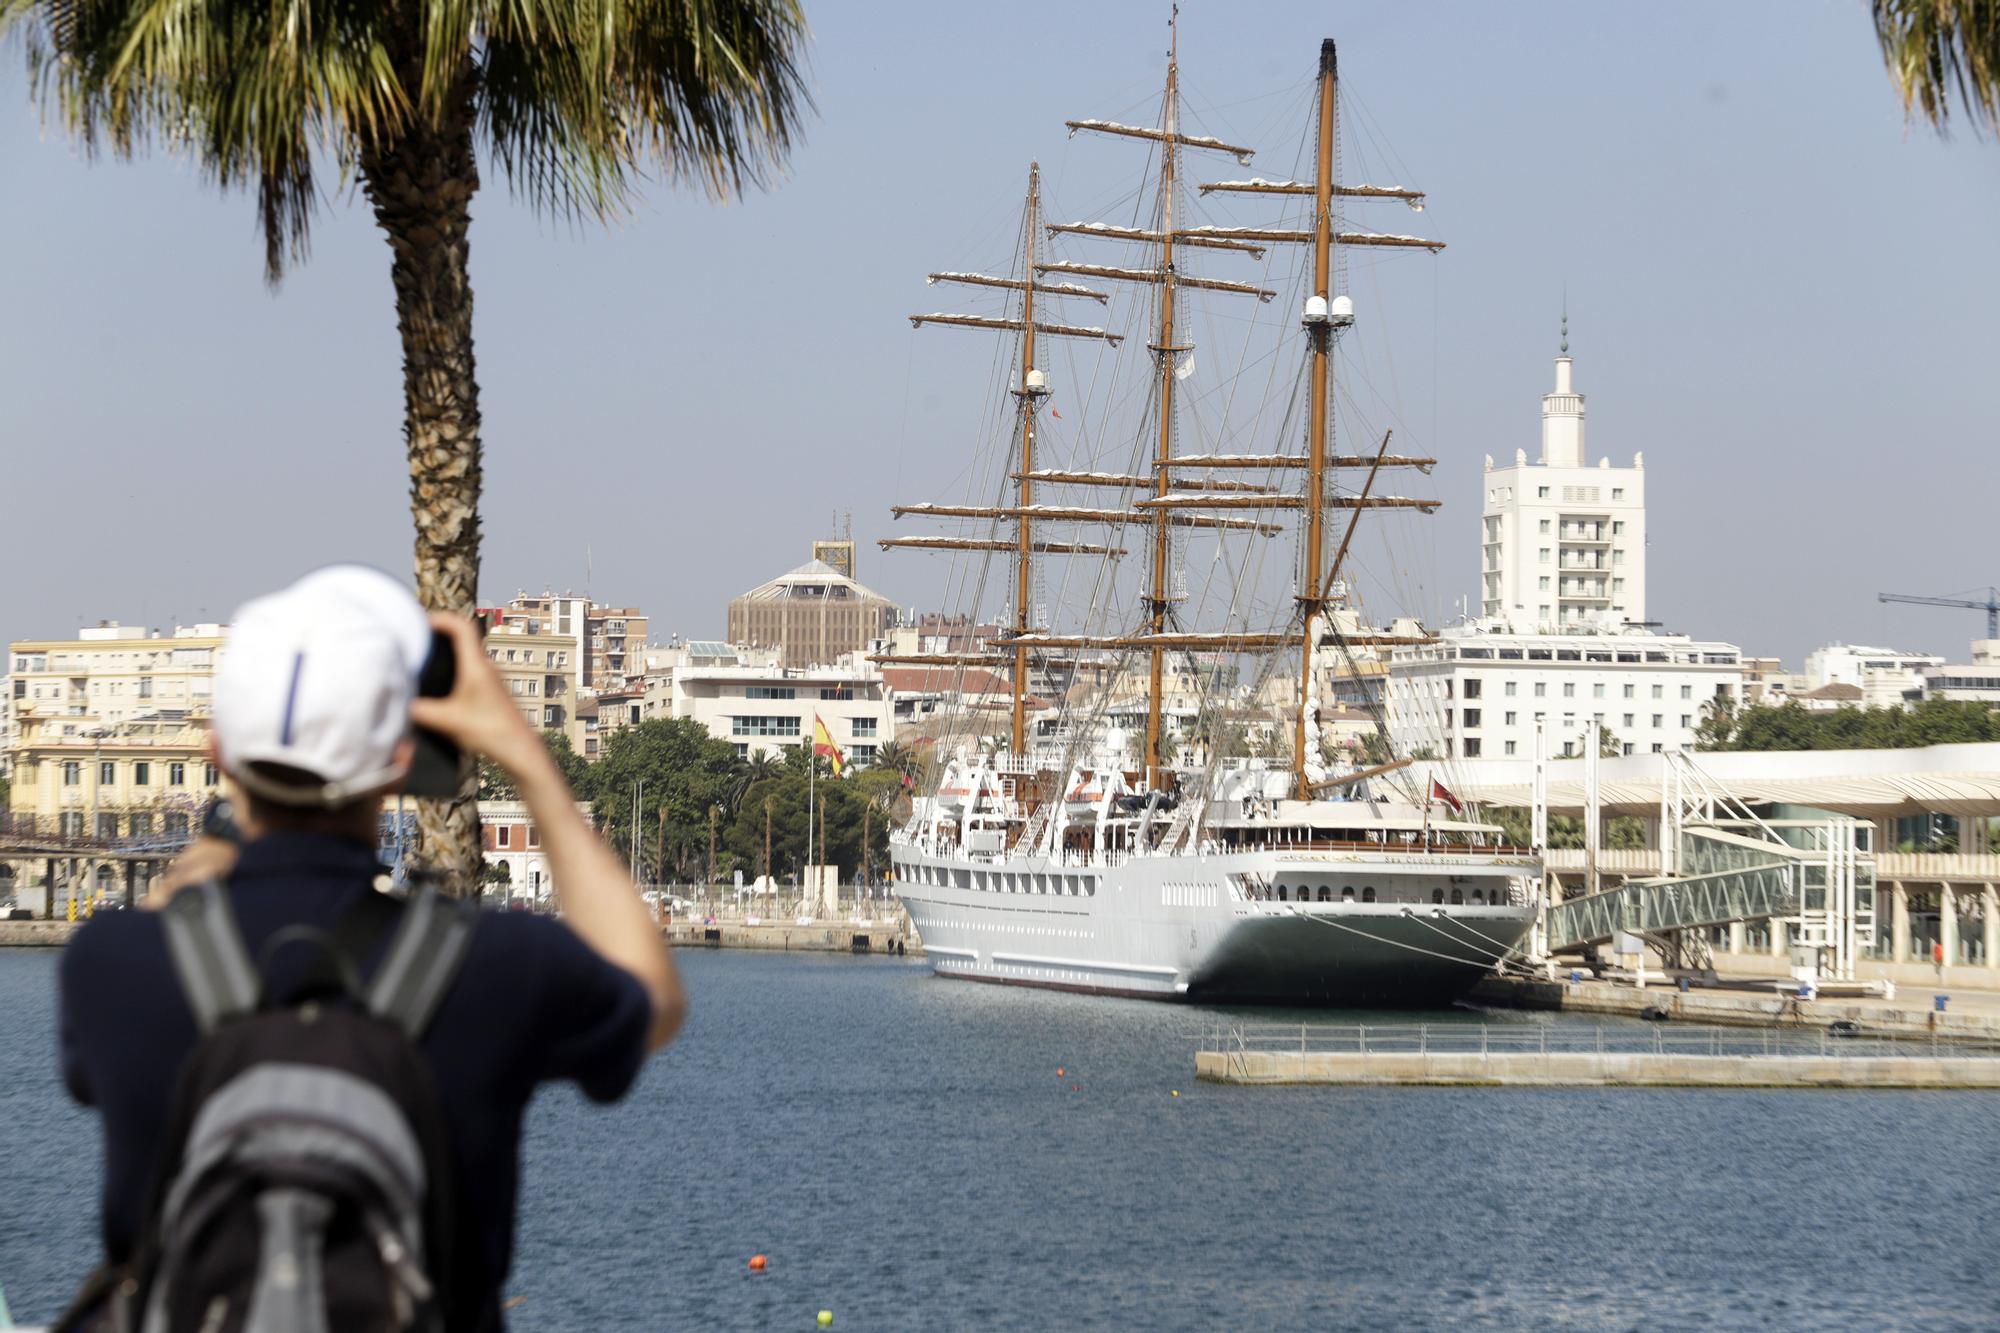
1059, 1071
758, 1263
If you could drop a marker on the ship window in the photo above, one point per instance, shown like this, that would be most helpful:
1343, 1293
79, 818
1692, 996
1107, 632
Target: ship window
1284, 894
1368, 893
1478, 898
1347, 894
1437, 895
1458, 897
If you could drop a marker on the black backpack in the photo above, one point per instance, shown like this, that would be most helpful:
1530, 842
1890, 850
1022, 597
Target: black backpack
307, 1184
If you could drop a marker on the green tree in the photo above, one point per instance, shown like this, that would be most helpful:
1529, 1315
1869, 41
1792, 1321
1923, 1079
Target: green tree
1938, 50
1792, 726
574, 103
495, 785
838, 804
677, 771
1718, 723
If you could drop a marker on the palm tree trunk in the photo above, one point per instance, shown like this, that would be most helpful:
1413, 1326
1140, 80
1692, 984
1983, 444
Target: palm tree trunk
421, 188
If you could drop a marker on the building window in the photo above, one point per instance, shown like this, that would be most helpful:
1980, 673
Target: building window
142, 774
1618, 527
503, 836
1472, 747
1508, 689
1631, 719
1617, 555
836, 692
1471, 717
107, 827
1569, 689
1687, 691
763, 726
1659, 692
175, 823
208, 775
1542, 583
1472, 687
1542, 555
1687, 720
769, 692
1617, 492
177, 774
534, 837
861, 726
861, 756
107, 773
1511, 716
1659, 720
1597, 690
1509, 747
1628, 691
1541, 492
142, 825
72, 824
1542, 526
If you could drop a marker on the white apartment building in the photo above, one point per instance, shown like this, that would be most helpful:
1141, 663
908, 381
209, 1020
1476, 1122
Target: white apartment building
1563, 543
1977, 680
1884, 676
744, 696
1480, 695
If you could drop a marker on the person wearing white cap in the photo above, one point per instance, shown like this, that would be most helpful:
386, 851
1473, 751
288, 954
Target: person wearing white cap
315, 700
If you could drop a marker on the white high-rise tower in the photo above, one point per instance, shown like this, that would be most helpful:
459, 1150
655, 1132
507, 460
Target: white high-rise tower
1563, 544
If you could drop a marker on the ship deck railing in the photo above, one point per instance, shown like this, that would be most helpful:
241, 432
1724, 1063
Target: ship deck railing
1500, 1039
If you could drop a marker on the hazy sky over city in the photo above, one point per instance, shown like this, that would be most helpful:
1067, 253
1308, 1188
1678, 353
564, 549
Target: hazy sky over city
1780, 296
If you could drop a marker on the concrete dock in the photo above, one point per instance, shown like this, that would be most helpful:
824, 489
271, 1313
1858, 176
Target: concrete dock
878, 936
1619, 1069
1969, 1015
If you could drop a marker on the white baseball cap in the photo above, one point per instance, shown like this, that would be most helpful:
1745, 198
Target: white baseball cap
312, 695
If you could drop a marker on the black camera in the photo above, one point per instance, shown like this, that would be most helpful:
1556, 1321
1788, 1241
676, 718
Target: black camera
434, 770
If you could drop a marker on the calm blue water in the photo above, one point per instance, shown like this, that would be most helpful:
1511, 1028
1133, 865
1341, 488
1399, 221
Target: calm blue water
903, 1151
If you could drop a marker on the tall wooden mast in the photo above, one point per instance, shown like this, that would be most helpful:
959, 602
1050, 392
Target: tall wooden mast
1319, 333
1029, 396
1164, 351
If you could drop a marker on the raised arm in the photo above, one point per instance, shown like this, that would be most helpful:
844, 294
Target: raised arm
599, 901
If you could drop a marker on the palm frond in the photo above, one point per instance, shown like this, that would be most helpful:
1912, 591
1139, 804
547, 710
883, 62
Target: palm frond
1940, 49
579, 100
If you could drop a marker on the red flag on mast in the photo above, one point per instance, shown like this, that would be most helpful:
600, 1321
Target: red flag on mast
1442, 794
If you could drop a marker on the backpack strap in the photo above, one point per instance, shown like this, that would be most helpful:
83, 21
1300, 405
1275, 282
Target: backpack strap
422, 959
209, 957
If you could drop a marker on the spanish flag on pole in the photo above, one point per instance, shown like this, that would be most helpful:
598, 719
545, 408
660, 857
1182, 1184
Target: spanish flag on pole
823, 745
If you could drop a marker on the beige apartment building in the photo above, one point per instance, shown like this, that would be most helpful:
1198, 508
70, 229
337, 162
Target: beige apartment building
813, 616
608, 642
109, 737
542, 671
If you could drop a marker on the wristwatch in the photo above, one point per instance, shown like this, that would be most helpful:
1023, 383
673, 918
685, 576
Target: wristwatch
218, 820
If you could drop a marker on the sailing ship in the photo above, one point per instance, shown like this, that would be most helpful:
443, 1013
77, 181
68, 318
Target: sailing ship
1086, 856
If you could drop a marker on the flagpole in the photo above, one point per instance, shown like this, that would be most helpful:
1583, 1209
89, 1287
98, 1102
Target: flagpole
812, 799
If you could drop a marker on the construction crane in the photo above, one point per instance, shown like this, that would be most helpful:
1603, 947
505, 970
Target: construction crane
1991, 606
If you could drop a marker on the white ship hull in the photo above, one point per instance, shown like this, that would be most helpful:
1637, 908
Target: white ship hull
1375, 927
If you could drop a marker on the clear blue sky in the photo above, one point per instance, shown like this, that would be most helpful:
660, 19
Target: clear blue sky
1776, 292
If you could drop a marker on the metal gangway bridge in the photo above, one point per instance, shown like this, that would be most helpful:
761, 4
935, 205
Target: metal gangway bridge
1723, 863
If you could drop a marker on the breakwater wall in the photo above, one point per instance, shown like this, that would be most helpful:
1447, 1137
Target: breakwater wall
1628, 1069
1909, 1015
879, 936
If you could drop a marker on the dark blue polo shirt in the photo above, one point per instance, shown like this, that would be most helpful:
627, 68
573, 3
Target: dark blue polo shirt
533, 1003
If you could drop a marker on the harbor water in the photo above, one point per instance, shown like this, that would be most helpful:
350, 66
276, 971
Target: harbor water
906, 1153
